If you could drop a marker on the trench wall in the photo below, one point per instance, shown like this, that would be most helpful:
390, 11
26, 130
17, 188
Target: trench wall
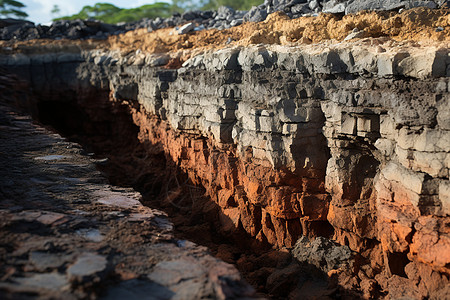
351, 142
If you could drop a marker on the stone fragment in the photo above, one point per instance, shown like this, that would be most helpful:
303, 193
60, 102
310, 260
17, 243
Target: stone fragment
255, 14
323, 253
186, 28
444, 196
170, 273
46, 281
334, 7
387, 63
355, 34
87, 264
300, 8
357, 5
409, 179
117, 199
49, 218
93, 235
423, 65
50, 157
278, 280
158, 60
43, 260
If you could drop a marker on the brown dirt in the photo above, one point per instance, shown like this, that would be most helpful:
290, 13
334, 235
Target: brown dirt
417, 24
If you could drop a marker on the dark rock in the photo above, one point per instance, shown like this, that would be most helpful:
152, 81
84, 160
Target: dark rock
12, 22
207, 14
313, 4
334, 7
107, 27
295, 2
236, 22
358, 5
186, 28
300, 9
255, 15
323, 253
189, 15
225, 11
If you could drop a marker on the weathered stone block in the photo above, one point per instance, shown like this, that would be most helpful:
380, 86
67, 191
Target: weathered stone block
348, 124
409, 179
387, 63
423, 65
444, 196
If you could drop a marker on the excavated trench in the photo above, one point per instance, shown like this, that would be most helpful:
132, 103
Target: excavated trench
249, 148
112, 138
106, 131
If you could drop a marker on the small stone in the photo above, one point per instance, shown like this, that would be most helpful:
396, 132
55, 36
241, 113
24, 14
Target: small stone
48, 218
87, 264
43, 261
169, 273
313, 4
93, 235
186, 28
236, 22
334, 7
117, 199
48, 281
355, 34
50, 157
439, 29
255, 15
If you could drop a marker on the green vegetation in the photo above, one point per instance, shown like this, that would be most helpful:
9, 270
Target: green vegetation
12, 8
112, 14
236, 4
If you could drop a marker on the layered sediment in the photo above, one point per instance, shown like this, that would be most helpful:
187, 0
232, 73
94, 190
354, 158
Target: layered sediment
349, 141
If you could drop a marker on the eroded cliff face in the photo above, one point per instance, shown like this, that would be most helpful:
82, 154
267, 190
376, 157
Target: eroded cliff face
349, 141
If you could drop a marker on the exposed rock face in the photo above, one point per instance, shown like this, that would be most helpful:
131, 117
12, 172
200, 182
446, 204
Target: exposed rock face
349, 141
